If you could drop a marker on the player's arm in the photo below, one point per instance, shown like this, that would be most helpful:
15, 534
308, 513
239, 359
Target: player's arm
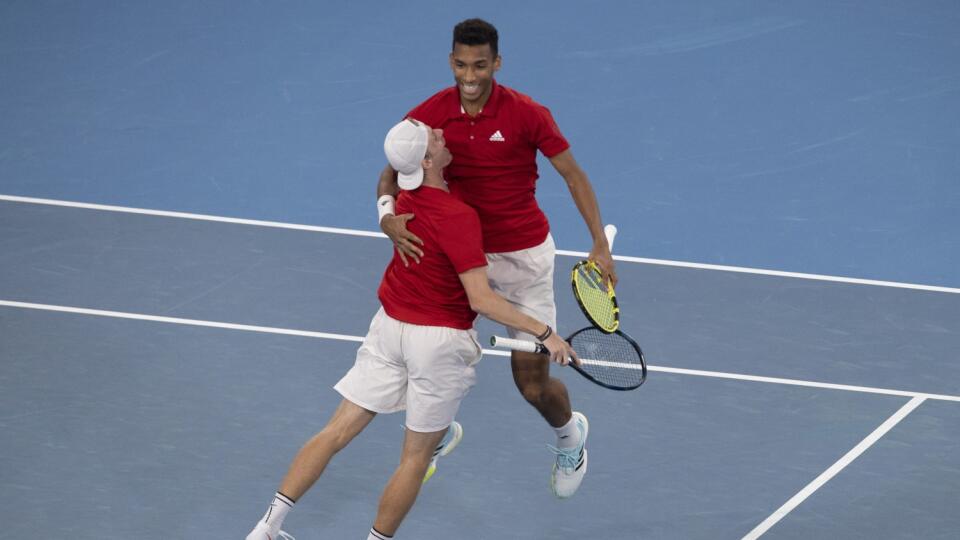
586, 200
492, 306
395, 227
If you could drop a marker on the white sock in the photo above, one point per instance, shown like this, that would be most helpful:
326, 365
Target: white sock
278, 510
568, 435
377, 535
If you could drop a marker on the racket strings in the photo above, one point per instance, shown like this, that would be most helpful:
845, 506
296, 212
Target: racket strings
595, 297
610, 359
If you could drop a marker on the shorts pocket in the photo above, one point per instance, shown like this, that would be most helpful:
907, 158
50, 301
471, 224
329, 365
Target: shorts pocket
472, 355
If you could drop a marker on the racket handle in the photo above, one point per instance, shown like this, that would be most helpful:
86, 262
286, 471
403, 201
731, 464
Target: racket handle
518, 345
611, 232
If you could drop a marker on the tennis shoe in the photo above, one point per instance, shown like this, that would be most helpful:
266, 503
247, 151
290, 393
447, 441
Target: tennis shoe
571, 464
449, 442
264, 532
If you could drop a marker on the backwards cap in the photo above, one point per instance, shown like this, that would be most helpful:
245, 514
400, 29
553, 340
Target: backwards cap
405, 147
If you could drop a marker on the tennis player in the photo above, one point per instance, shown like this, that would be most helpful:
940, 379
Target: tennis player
421, 349
494, 133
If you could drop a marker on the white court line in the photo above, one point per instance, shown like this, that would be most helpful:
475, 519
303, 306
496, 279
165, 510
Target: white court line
358, 339
778, 273
825, 477
177, 320
580, 254
813, 384
185, 215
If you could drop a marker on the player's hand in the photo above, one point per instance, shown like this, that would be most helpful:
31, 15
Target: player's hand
560, 351
407, 243
600, 254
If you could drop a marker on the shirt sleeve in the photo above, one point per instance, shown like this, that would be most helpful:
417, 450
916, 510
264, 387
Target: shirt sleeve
461, 240
429, 111
418, 112
545, 133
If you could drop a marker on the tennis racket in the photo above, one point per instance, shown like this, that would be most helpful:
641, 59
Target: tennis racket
596, 298
612, 360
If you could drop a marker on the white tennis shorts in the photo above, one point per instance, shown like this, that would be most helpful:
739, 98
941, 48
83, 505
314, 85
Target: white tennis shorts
425, 370
525, 279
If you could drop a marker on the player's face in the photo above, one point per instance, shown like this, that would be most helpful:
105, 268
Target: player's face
473, 68
437, 148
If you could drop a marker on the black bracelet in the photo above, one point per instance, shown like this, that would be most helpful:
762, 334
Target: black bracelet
546, 333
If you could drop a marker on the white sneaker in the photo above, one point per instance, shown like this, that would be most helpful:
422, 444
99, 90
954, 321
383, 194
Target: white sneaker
449, 442
571, 464
264, 532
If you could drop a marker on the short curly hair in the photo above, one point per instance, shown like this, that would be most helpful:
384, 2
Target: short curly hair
476, 32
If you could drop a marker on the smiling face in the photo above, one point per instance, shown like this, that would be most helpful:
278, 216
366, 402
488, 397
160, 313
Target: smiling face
473, 68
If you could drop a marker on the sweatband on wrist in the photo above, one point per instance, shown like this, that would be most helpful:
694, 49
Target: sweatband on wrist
385, 206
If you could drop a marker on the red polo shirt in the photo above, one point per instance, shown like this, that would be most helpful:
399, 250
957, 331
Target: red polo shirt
494, 166
430, 293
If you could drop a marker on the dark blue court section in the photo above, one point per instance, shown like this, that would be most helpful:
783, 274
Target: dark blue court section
170, 431
814, 137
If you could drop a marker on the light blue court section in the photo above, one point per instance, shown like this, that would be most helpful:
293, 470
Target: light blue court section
895, 476
812, 137
121, 429
174, 431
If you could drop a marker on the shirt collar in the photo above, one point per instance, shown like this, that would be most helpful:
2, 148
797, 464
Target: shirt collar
489, 108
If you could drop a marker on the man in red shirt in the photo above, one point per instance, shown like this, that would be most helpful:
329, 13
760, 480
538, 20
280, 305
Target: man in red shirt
420, 352
494, 133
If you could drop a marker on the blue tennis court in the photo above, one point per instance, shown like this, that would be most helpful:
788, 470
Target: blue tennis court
189, 257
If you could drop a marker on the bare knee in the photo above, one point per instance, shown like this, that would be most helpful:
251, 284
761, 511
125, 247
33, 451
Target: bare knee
531, 373
334, 438
346, 423
532, 391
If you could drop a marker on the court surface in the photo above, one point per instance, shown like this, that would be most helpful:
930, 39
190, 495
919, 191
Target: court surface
188, 259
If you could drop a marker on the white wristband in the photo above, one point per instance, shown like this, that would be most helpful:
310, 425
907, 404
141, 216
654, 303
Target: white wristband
385, 206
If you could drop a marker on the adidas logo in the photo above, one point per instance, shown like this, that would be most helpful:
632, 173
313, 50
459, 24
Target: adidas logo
497, 137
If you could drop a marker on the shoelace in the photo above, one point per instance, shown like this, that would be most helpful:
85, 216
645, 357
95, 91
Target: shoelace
567, 458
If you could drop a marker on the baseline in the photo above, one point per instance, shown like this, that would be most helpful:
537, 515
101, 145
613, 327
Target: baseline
578, 254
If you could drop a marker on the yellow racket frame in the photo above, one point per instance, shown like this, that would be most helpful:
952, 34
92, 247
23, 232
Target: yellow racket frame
598, 301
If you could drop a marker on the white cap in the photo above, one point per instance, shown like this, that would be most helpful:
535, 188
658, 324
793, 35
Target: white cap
406, 146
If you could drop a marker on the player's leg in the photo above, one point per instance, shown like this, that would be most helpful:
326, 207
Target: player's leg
441, 369
404, 486
450, 441
525, 278
375, 384
346, 423
548, 395
441, 366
